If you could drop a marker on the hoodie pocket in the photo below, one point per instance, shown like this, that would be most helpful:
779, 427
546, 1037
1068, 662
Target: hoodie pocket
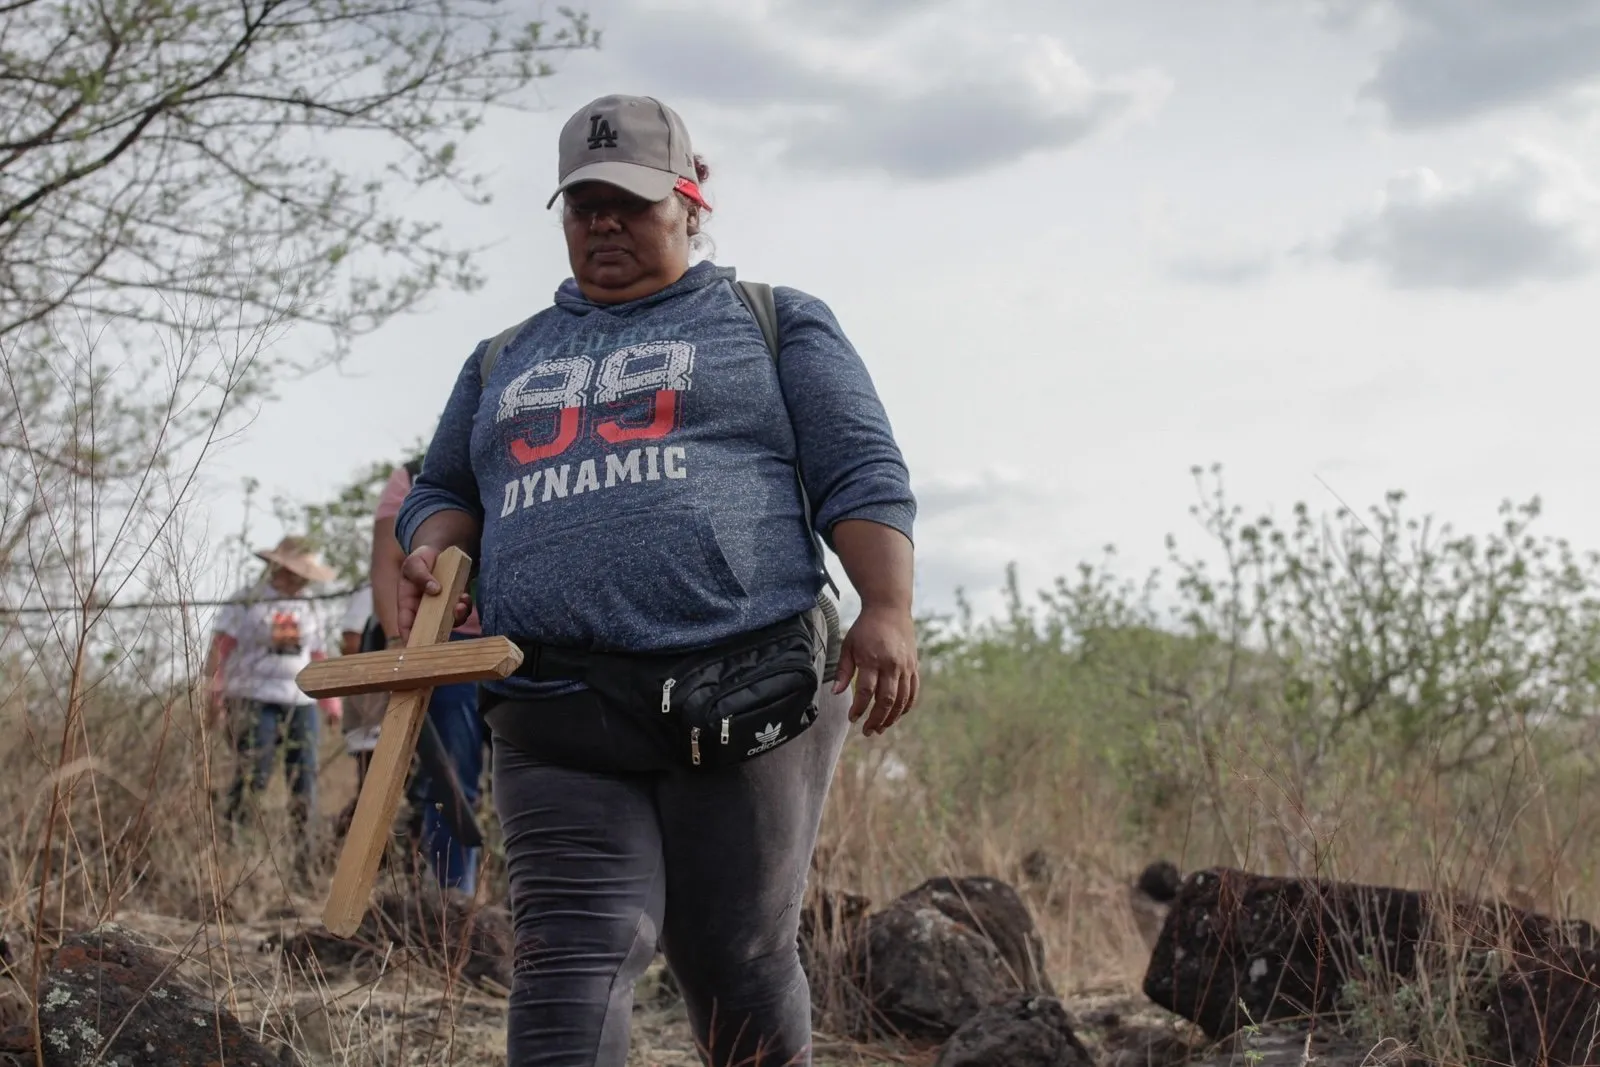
634, 580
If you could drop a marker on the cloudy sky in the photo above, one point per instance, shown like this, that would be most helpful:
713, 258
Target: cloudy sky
1338, 246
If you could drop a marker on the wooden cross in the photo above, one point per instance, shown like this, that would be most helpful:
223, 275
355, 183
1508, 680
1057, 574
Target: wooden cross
429, 658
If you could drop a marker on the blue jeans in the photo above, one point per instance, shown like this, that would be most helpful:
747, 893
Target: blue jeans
453, 710
258, 731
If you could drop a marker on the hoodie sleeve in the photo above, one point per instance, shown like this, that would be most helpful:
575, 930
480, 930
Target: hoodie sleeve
849, 461
447, 482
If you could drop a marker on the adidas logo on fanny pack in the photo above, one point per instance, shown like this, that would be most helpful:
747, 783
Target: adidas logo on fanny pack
767, 738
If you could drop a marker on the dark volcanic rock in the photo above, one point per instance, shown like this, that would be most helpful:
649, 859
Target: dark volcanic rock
926, 974
1286, 948
16, 1046
107, 986
444, 931
1282, 947
1021, 1032
1546, 1012
942, 953
1150, 899
995, 911
1161, 881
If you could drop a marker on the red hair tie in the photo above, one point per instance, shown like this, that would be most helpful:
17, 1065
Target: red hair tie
692, 191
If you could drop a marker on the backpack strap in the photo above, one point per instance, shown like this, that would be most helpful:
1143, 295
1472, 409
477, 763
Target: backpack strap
372, 638
492, 353
757, 296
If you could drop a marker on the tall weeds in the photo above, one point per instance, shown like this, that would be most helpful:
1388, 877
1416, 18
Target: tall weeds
1360, 697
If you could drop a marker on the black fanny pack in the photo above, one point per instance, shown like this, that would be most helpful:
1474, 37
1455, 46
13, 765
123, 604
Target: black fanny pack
726, 704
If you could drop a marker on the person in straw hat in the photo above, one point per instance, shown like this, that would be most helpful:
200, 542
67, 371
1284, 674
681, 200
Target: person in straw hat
260, 641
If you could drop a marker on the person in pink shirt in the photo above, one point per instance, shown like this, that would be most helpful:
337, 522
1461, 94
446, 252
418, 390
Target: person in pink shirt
387, 556
453, 709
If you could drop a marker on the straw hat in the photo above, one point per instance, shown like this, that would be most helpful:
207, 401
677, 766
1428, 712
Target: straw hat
295, 555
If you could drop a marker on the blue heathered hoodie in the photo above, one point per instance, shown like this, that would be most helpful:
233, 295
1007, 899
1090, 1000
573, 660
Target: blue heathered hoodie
632, 466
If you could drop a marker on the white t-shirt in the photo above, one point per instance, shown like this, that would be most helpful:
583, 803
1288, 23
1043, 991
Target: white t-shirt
276, 637
358, 611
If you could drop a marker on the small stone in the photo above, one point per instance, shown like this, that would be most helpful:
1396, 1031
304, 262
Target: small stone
1161, 881
1021, 1032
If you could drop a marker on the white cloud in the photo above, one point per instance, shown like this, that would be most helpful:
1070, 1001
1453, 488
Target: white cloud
1004, 100
913, 93
1529, 219
1457, 59
1533, 217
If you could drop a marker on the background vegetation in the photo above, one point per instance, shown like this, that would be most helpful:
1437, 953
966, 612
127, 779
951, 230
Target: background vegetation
1374, 697
1369, 696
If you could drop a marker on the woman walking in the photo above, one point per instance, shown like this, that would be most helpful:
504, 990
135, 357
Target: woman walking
623, 467
260, 642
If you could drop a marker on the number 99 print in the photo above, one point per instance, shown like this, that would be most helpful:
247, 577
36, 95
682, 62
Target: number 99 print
648, 376
629, 395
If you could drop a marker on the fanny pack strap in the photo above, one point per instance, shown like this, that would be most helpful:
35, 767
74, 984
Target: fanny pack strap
559, 663
543, 662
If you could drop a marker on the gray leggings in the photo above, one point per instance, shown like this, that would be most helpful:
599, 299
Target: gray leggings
612, 849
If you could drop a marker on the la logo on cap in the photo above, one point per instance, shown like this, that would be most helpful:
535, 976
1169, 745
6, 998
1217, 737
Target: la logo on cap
601, 133
635, 143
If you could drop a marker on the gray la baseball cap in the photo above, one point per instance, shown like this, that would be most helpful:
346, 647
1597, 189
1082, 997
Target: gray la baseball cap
636, 143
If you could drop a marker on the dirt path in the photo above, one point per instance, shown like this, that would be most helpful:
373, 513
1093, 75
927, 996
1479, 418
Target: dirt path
403, 1016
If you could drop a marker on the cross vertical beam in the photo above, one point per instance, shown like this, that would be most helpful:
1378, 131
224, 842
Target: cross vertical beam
370, 826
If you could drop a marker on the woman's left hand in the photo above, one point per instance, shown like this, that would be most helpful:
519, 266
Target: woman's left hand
881, 652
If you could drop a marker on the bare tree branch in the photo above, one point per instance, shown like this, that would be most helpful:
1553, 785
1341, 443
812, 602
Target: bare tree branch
241, 153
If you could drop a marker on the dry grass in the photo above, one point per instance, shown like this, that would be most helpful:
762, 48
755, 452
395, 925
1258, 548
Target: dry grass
1516, 832
1061, 771
138, 839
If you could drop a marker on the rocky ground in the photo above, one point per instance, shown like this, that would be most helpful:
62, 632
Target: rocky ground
1244, 969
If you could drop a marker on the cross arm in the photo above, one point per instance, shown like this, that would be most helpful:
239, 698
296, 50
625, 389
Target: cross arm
416, 667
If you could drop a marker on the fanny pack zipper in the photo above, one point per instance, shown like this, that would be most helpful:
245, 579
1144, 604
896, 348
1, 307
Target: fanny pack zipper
742, 683
725, 736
